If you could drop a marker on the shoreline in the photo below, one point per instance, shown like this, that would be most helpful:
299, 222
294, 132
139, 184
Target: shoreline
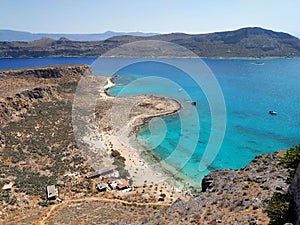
141, 171
95, 58
140, 156
115, 57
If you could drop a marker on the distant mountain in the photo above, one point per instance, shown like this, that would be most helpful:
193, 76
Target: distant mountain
12, 35
245, 42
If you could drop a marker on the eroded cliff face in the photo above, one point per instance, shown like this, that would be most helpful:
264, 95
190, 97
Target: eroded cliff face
12, 107
20, 89
48, 71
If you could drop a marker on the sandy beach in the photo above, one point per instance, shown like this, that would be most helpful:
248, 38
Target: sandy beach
118, 137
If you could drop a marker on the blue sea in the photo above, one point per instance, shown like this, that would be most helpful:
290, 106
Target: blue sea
250, 88
14, 63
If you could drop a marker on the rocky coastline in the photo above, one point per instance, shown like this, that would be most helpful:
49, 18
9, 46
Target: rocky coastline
56, 71
234, 196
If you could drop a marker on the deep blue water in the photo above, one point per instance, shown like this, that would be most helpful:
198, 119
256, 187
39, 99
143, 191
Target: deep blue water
250, 90
13, 63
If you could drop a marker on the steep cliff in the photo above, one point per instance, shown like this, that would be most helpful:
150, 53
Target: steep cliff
57, 71
22, 88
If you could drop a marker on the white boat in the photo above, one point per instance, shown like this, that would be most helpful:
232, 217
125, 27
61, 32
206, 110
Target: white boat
258, 63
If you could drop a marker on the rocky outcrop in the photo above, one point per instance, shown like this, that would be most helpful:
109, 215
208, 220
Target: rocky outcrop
263, 170
11, 108
47, 71
233, 196
294, 191
25, 87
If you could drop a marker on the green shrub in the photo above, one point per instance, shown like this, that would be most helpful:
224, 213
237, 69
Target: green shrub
123, 172
12, 200
279, 209
163, 195
46, 203
119, 161
77, 159
290, 161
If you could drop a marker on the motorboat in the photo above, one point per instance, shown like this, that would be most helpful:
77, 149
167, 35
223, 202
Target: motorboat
258, 63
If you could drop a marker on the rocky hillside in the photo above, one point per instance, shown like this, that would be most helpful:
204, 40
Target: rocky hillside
232, 196
58, 71
20, 89
37, 146
245, 42
294, 191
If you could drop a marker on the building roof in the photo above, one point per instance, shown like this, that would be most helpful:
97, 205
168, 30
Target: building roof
122, 184
101, 187
99, 173
51, 191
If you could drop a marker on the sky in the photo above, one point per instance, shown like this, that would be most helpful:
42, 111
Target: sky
161, 16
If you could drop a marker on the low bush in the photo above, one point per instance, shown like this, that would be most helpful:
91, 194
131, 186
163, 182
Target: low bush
290, 161
119, 161
279, 209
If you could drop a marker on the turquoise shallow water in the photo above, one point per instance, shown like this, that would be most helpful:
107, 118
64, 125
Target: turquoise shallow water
250, 90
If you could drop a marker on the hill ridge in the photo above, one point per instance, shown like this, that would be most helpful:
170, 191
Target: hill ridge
247, 42
14, 35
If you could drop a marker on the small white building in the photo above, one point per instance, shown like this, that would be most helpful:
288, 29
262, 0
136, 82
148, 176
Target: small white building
52, 192
113, 185
101, 187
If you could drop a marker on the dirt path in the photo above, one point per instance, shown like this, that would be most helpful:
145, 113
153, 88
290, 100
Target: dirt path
67, 202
